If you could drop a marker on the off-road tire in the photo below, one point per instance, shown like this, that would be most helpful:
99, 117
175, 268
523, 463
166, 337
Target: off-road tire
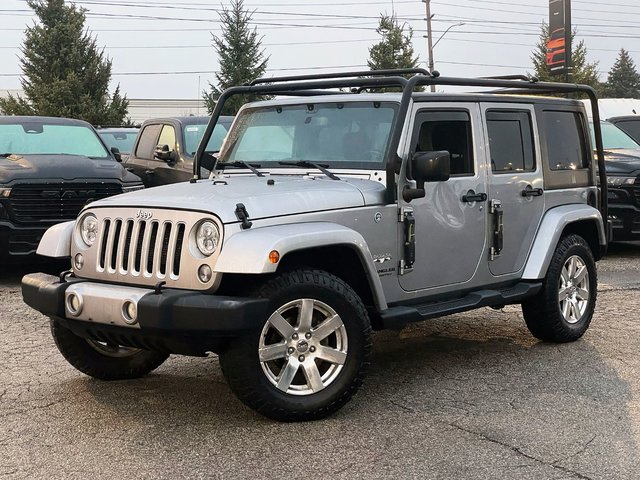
241, 364
80, 354
542, 312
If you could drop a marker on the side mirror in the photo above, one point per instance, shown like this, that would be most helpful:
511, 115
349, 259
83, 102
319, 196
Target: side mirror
208, 160
428, 167
116, 154
164, 152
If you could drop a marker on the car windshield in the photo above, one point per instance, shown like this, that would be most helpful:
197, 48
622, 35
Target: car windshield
613, 138
341, 135
193, 134
37, 138
123, 141
630, 127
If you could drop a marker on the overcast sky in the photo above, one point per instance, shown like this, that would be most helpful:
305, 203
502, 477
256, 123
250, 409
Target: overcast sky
148, 47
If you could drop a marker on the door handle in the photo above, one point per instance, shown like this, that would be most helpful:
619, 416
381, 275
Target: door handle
149, 172
529, 191
472, 197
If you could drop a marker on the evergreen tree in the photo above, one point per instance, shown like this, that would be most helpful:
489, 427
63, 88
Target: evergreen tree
65, 73
581, 71
623, 80
395, 49
240, 56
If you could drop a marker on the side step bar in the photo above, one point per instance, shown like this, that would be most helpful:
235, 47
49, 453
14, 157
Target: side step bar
399, 316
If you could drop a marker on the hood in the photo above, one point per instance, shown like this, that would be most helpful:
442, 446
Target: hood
287, 195
61, 167
622, 161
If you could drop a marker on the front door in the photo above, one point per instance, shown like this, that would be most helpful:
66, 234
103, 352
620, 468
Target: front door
515, 184
450, 221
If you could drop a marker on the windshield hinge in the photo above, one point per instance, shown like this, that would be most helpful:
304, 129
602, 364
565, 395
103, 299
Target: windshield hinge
243, 216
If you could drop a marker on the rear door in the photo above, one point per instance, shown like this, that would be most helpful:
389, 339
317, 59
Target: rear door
516, 195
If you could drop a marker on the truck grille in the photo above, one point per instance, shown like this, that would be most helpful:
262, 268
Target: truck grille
636, 193
53, 203
144, 246
151, 248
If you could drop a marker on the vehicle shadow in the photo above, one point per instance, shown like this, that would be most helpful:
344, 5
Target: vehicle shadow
561, 406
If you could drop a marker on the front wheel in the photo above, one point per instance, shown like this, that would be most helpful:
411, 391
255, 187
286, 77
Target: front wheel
562, 310
311, 354
102, 360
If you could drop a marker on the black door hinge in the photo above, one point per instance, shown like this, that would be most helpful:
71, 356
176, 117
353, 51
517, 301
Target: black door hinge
243, 216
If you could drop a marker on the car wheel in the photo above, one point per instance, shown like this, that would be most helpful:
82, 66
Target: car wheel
103, 360
562, 310
311, 354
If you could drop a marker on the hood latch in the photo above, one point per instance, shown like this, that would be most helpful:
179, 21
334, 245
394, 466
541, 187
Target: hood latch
243, 216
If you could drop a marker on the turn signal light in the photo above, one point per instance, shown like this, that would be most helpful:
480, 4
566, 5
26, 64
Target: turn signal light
274, 256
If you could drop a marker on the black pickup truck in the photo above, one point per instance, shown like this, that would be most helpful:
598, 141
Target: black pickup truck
49, 169
164, 150
622, 161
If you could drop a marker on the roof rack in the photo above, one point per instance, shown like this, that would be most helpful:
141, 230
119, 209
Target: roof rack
326, 83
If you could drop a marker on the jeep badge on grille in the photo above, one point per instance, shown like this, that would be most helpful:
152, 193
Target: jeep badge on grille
144, 215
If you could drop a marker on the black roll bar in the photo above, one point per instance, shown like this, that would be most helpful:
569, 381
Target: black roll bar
318, 84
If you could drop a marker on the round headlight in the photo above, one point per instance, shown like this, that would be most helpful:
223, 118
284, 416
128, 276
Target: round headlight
89, 229
207, 237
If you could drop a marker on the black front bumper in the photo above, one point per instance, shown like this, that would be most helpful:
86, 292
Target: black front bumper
625, 220
173, 321
19, 241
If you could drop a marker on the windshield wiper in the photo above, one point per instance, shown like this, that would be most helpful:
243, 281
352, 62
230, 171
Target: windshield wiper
242, 164
308, 164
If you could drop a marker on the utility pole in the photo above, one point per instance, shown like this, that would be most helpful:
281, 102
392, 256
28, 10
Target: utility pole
429, 39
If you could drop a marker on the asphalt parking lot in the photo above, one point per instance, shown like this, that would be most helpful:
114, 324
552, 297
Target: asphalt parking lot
470, 396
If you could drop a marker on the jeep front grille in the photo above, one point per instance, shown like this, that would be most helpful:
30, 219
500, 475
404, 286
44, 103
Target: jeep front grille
141, 247
144, 246
32, 203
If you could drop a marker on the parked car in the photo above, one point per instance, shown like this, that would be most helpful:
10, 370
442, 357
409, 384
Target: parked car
629, 124
121, 138
50, 168
164, 150
329, 216
622, 155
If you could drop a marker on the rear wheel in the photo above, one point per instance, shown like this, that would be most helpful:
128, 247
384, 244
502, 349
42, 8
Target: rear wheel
103, 360
562, 310
311, 354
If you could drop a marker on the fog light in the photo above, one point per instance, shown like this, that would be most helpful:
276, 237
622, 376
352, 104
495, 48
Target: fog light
205, 273
130, 312
74, 304
78, 261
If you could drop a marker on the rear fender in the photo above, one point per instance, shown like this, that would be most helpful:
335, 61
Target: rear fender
553, 224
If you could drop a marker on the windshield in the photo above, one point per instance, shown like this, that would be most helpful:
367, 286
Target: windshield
343, 135
630, 127
193, 134
613, 138
36, 138
123, 141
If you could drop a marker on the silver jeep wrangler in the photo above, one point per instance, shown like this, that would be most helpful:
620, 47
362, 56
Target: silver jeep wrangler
329, 215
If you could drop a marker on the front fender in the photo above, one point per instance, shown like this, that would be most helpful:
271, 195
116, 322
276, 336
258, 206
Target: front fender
56, 241
548, 236
248, 250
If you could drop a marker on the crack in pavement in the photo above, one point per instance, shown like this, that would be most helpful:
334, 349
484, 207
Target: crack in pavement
526, 455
